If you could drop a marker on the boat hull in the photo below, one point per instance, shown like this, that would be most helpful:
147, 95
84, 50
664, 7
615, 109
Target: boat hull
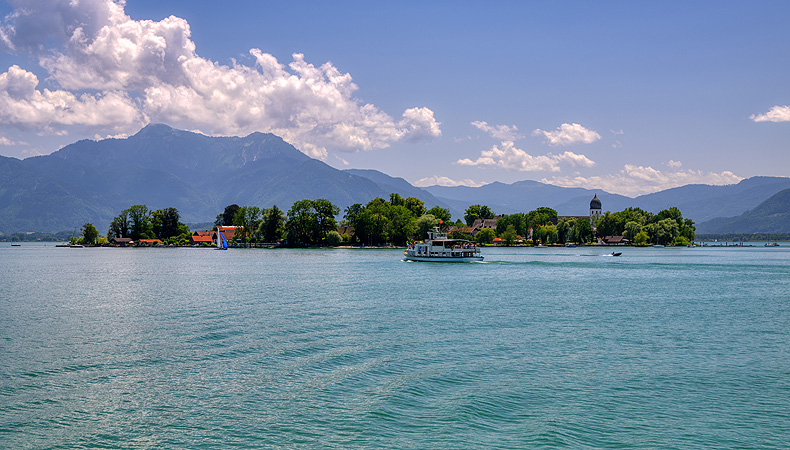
445, 259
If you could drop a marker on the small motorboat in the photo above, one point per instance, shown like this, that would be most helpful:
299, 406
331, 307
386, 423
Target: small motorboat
617, 253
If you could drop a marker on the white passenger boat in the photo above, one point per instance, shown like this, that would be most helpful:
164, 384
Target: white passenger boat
438, 248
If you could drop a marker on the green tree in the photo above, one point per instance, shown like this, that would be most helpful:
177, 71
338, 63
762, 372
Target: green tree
485, 236
641, 238
119, 227
666, 230
688, 230
442, 214
518, 220
165, 223
475, 212
139, 223
425, 224
325, 222
563, 229
632, 228
272, 224
550, 234
582, 231
397, 200
607, 225
89, 234
333, 239
247, 221
401, 226
509, 236
225, 218
301, 223
415, 205
540, 216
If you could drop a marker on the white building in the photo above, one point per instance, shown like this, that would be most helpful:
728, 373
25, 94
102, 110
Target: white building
595, 210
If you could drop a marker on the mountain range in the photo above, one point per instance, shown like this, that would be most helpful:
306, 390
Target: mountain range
770, 216
92, 181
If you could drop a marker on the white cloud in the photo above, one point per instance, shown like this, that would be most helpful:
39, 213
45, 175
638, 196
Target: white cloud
22, 104
98, 137
574, 160
776, 114
141, 71
637, 180
501, 132
511, 158
444, 181
4, 141
674, 164
419, 125
568, 134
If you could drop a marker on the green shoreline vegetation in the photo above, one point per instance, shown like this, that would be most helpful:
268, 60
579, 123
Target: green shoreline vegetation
394, 222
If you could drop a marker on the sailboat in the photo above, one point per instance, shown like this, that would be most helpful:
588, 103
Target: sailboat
222, 243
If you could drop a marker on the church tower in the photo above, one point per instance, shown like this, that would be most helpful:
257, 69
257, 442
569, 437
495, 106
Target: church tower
595, 210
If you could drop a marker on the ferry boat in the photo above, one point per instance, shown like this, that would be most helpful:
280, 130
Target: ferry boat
438, 248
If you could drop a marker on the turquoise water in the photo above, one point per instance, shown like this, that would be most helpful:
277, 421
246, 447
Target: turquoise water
535, 348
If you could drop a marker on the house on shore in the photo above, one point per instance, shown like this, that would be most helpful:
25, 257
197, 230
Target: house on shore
481, 224
613, 240
149, 242
122, 242
201, 237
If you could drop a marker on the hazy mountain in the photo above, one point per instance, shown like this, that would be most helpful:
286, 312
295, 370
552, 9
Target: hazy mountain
524, 196
91, 181
696, 201
770, 216
160, 167
703, 202
405, 189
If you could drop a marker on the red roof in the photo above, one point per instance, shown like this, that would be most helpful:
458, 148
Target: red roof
202, 239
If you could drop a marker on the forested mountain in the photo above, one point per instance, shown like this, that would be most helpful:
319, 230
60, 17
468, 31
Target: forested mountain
92, 181
771, 216
405, 189
160, 167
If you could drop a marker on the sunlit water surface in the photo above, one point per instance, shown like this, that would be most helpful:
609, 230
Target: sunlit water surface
196, 348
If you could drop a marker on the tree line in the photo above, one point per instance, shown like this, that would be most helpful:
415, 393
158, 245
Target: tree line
314, 222
397, 221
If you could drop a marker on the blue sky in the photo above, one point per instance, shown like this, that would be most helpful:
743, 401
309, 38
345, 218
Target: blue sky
628, 97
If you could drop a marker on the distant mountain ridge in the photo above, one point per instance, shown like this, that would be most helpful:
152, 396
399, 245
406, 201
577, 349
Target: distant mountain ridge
697, 201
92, 181
771, 216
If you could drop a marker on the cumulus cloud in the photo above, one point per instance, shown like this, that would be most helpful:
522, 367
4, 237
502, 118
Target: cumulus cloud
445, 181
419, 125
637, 180
568, 134
4, 141
507, 156
149, 71
23, 104
674, 164
776, 114
501, 132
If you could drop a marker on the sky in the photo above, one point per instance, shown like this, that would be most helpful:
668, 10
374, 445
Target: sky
625, 97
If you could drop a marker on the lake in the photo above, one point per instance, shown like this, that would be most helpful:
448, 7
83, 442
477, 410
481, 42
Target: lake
342, 348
